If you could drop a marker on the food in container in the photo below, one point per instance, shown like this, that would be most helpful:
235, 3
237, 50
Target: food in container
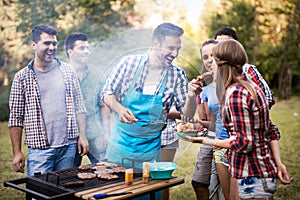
162, 170
192, 129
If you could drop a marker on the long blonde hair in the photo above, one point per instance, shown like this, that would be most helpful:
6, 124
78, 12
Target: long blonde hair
230, 56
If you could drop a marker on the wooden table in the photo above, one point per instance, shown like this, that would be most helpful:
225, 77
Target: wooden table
137, 188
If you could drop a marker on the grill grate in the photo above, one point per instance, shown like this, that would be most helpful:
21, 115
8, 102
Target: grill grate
59, 178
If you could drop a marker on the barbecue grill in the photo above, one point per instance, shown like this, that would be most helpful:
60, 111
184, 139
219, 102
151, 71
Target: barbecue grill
52, 185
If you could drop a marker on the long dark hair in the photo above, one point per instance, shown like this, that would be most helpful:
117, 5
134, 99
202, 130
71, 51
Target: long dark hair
230, 56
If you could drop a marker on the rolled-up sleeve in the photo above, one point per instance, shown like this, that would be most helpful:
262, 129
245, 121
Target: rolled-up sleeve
16, 104
112, 82
121, 77
274, 133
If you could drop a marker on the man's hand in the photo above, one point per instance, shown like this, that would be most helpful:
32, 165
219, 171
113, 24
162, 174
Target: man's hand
83, 146
283, 175
126, 116
18, 162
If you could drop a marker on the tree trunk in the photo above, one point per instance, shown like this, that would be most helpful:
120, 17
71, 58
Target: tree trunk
291, 53
285, 78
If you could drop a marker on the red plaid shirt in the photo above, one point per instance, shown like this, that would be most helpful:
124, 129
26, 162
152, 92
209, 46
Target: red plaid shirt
248, 126
253, 74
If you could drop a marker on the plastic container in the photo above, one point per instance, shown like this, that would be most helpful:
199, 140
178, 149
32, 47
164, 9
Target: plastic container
162, 170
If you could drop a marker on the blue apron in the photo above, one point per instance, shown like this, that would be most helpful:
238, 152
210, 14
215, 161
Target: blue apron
139, 141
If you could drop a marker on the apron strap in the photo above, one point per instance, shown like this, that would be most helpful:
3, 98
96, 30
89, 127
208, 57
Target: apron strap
162, 83
138, 71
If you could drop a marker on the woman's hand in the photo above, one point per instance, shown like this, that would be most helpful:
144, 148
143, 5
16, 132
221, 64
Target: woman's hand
204, 140
283, 175
195, 88
195, 139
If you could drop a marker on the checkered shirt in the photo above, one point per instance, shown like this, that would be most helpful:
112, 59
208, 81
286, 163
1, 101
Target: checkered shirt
25, 105
121, 78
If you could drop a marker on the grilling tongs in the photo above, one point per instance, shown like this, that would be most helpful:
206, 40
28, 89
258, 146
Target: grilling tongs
104, 195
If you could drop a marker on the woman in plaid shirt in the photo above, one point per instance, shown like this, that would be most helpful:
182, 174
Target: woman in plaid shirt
245, 114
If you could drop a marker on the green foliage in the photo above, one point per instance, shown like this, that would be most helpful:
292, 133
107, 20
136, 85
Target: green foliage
97, 18
36, 12
290, 63
4, 110
189, 58
269, 31
268, 63
239, 15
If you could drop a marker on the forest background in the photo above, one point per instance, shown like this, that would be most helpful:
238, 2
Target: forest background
269, 31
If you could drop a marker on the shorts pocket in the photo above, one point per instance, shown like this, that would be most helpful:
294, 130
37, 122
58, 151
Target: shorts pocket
269, 184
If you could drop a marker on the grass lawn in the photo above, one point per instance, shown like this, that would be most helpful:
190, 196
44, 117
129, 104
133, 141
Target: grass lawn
285, 114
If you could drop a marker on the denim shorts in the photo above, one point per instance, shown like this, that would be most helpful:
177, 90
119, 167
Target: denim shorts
49, 160
219, 154
256, 187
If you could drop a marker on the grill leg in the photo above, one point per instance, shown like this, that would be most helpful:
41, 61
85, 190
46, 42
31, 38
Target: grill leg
152, 195
28, 196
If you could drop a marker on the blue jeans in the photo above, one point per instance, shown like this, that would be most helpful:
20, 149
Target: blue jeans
49, 160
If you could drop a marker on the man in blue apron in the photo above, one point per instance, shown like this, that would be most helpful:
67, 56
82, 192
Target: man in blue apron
141, 90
